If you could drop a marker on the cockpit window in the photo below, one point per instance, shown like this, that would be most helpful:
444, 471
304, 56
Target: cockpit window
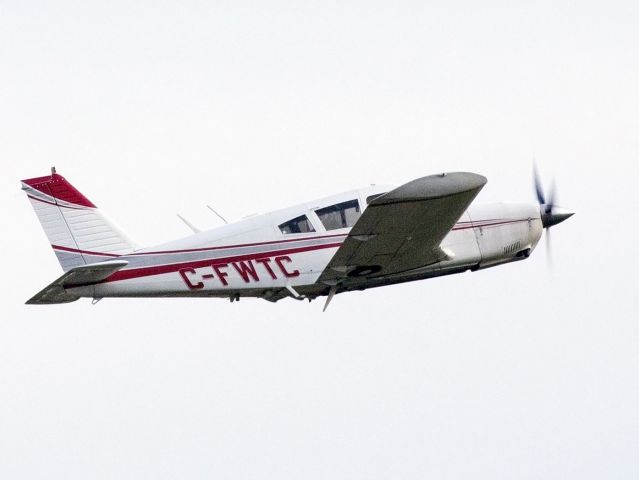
341, 215
299, 224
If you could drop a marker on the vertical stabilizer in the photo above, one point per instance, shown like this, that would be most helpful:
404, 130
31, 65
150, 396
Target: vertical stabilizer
78, 232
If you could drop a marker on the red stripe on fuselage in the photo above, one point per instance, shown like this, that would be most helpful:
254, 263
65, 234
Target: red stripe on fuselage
486, 223
174, 267
223, 247
203, 249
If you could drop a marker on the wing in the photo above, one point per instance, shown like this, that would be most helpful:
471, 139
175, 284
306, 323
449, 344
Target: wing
402, 229
84, 275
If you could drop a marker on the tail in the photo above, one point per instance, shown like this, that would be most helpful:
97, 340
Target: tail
76, 229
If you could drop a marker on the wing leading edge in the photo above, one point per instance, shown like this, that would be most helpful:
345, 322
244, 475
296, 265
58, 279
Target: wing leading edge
402, 229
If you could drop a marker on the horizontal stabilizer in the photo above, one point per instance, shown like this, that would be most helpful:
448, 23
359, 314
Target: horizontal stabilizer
83, 275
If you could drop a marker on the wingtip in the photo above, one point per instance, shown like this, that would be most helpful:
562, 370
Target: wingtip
472, 179
435, 186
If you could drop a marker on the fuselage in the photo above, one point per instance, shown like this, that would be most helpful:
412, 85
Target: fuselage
283, 253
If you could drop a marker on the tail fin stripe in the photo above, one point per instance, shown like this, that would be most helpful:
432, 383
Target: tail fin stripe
55, 204
56, 186
86, 252
41, 195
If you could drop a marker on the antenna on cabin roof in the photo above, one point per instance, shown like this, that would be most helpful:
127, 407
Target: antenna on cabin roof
193, 228
220, 216
52, 170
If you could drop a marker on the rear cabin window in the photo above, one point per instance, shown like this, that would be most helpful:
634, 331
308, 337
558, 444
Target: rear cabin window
299, 224
341, 215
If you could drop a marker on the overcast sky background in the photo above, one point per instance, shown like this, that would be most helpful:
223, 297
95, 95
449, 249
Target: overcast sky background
155, 108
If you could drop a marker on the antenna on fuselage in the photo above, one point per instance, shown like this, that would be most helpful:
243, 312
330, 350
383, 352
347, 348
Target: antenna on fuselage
188, 224
220, 216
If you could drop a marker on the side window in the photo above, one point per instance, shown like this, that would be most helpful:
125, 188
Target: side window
299, 224
341, 215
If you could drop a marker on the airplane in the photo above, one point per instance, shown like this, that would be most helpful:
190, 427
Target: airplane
365, 238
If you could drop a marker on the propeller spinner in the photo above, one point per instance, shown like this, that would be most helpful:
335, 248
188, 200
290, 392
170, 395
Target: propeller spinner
551, 214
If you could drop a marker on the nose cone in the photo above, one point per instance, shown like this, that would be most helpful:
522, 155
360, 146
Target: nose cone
551, 215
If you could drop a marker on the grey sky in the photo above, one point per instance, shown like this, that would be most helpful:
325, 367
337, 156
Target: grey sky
157, 108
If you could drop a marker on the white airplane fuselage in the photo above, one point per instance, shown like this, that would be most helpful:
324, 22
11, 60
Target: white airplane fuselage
255, 258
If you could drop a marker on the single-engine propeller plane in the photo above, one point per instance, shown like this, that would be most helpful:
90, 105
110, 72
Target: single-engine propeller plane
365, 238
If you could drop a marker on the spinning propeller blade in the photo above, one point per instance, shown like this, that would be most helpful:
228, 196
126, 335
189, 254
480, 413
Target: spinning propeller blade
550, 213
539, 189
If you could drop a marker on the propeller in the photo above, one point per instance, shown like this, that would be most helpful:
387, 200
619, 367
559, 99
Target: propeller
550, 213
